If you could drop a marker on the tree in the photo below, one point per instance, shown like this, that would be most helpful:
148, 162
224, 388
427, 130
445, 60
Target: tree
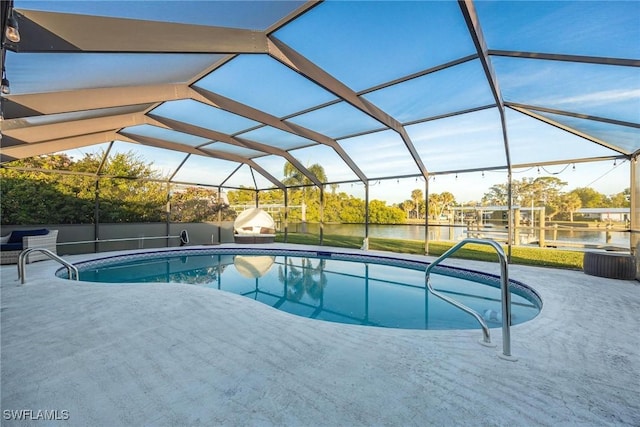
590, 198
496, 196
407, 206
417, 196
293, 176
196, 204
570, 203
380, 213
131, 193
302, 280
526, 192
244, 196
438, 203
306, 194
622, 199
352, 209
133, 196
39, 197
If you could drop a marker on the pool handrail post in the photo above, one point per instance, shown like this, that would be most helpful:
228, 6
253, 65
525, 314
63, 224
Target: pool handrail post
486, 336
506, 304
504, 289
72, 270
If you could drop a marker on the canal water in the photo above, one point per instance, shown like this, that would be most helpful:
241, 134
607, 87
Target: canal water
459, 232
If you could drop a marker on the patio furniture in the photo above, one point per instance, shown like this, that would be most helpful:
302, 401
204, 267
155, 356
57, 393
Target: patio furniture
613, 265
253, 267
18, 240
254, 226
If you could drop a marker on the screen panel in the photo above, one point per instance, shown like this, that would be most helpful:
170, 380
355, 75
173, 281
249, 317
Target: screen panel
467, 141
364, 44
258, 80
380, 154
593, 28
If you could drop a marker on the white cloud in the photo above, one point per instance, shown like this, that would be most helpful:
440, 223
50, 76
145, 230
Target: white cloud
600, 98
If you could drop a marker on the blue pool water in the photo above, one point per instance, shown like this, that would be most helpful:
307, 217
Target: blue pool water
345, 288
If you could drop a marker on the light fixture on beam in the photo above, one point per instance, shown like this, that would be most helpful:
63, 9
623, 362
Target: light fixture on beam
11, 32
6, 90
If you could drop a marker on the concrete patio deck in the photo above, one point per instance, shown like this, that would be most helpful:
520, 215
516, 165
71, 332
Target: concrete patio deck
184, 355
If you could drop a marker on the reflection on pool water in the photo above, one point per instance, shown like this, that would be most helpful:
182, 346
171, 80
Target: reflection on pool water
361, 290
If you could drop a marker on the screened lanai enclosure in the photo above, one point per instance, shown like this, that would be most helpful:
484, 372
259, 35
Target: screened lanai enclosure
224, 94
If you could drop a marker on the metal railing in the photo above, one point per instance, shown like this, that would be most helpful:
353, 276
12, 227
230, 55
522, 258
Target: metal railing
183, 236
71, 269
504, 287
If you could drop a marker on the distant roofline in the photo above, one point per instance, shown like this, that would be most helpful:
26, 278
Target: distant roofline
604, 210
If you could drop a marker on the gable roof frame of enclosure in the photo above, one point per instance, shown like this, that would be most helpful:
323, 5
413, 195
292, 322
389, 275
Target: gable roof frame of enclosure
89, 110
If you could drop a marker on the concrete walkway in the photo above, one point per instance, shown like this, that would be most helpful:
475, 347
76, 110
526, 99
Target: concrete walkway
182, 355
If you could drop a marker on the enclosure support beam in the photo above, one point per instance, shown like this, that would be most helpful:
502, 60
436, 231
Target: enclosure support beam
634, 238
219, 215
473, 24
511, 225
75, 33
97, 98
321, 215
366, 211
96, 225
240, 142
568, 129
426, 215
232, 106
168, 211
298, 63
160, 143
286, 215
33, 134
96, 215
25, 150
555, 111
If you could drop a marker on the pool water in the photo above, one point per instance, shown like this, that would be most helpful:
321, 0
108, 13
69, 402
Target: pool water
324, 288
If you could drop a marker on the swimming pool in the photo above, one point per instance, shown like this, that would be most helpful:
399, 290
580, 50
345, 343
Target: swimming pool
363, 289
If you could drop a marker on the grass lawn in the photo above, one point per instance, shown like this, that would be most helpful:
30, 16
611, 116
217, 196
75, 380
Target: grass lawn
546, 257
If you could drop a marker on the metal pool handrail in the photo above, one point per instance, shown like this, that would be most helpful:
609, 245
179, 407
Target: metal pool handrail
71, 269
183, 236
504, 287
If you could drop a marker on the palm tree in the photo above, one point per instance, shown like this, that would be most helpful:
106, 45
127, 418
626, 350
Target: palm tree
407, 206
441, 202
293, 177
301, 281
417, 197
